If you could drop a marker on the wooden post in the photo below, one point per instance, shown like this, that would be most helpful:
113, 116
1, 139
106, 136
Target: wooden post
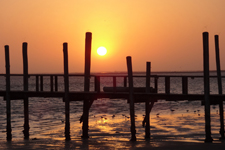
8, 103
147, 108
131, 91
37, 83
87, 82
25, 88
156, 83
167, 85
56, 83
51, 83
114, 84
41, 83
206, 86
184, 85
97, 84
125, 81
219, 86
66, 97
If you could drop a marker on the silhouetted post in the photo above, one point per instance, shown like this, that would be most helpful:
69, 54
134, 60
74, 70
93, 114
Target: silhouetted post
114, 84
41, 83
147, 108
156, 83
66, 98
125, 81
184, 85
25, 88
8, 102
51, 83
56, 83
37, 83
219, 85
87, 82
167, 85
131, 91
206, 86
97, 83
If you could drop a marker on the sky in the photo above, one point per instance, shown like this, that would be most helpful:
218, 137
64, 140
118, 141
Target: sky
167, 33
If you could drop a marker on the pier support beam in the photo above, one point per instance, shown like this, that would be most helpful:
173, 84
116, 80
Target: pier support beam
219, 86
147, 108
87, 82
8, 101
206, 87
66, 96
131, 98
25, 88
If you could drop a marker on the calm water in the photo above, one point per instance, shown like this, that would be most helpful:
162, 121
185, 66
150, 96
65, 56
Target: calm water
47, 117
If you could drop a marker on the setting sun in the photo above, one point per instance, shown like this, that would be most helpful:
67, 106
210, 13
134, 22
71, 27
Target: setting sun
101, 51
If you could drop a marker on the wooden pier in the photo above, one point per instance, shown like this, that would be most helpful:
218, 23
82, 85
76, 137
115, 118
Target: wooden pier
148, 95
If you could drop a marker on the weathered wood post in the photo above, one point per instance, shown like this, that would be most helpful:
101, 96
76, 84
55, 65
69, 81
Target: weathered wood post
114, 84
8, 102
147, 108
167, 85
66, 89
219, 86
56, 83
184, 85
131, 98
37, 83
156, 83
87, 76
206, 86
25, 88
51, 83
41, 83
125, 81
97, 84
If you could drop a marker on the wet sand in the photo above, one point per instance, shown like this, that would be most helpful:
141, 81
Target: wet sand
101, 144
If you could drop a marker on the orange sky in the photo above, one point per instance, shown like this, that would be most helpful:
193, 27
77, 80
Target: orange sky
166, 32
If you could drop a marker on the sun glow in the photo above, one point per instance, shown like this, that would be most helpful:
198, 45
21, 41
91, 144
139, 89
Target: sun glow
101, 51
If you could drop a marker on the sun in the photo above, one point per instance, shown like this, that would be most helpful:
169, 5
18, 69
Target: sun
101, 51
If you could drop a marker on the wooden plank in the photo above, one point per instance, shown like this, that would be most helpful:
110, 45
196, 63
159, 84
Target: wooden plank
126, 89
66, 89
220, 90
25, 88
206, 86
131, 98
7, 94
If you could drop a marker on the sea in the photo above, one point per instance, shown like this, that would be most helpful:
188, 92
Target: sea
109, 118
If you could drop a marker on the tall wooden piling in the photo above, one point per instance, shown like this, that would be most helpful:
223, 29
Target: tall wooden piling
206, 86
66, 89
131, 98
87, 76
25, 88
147, 108
219, 86
8, 102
